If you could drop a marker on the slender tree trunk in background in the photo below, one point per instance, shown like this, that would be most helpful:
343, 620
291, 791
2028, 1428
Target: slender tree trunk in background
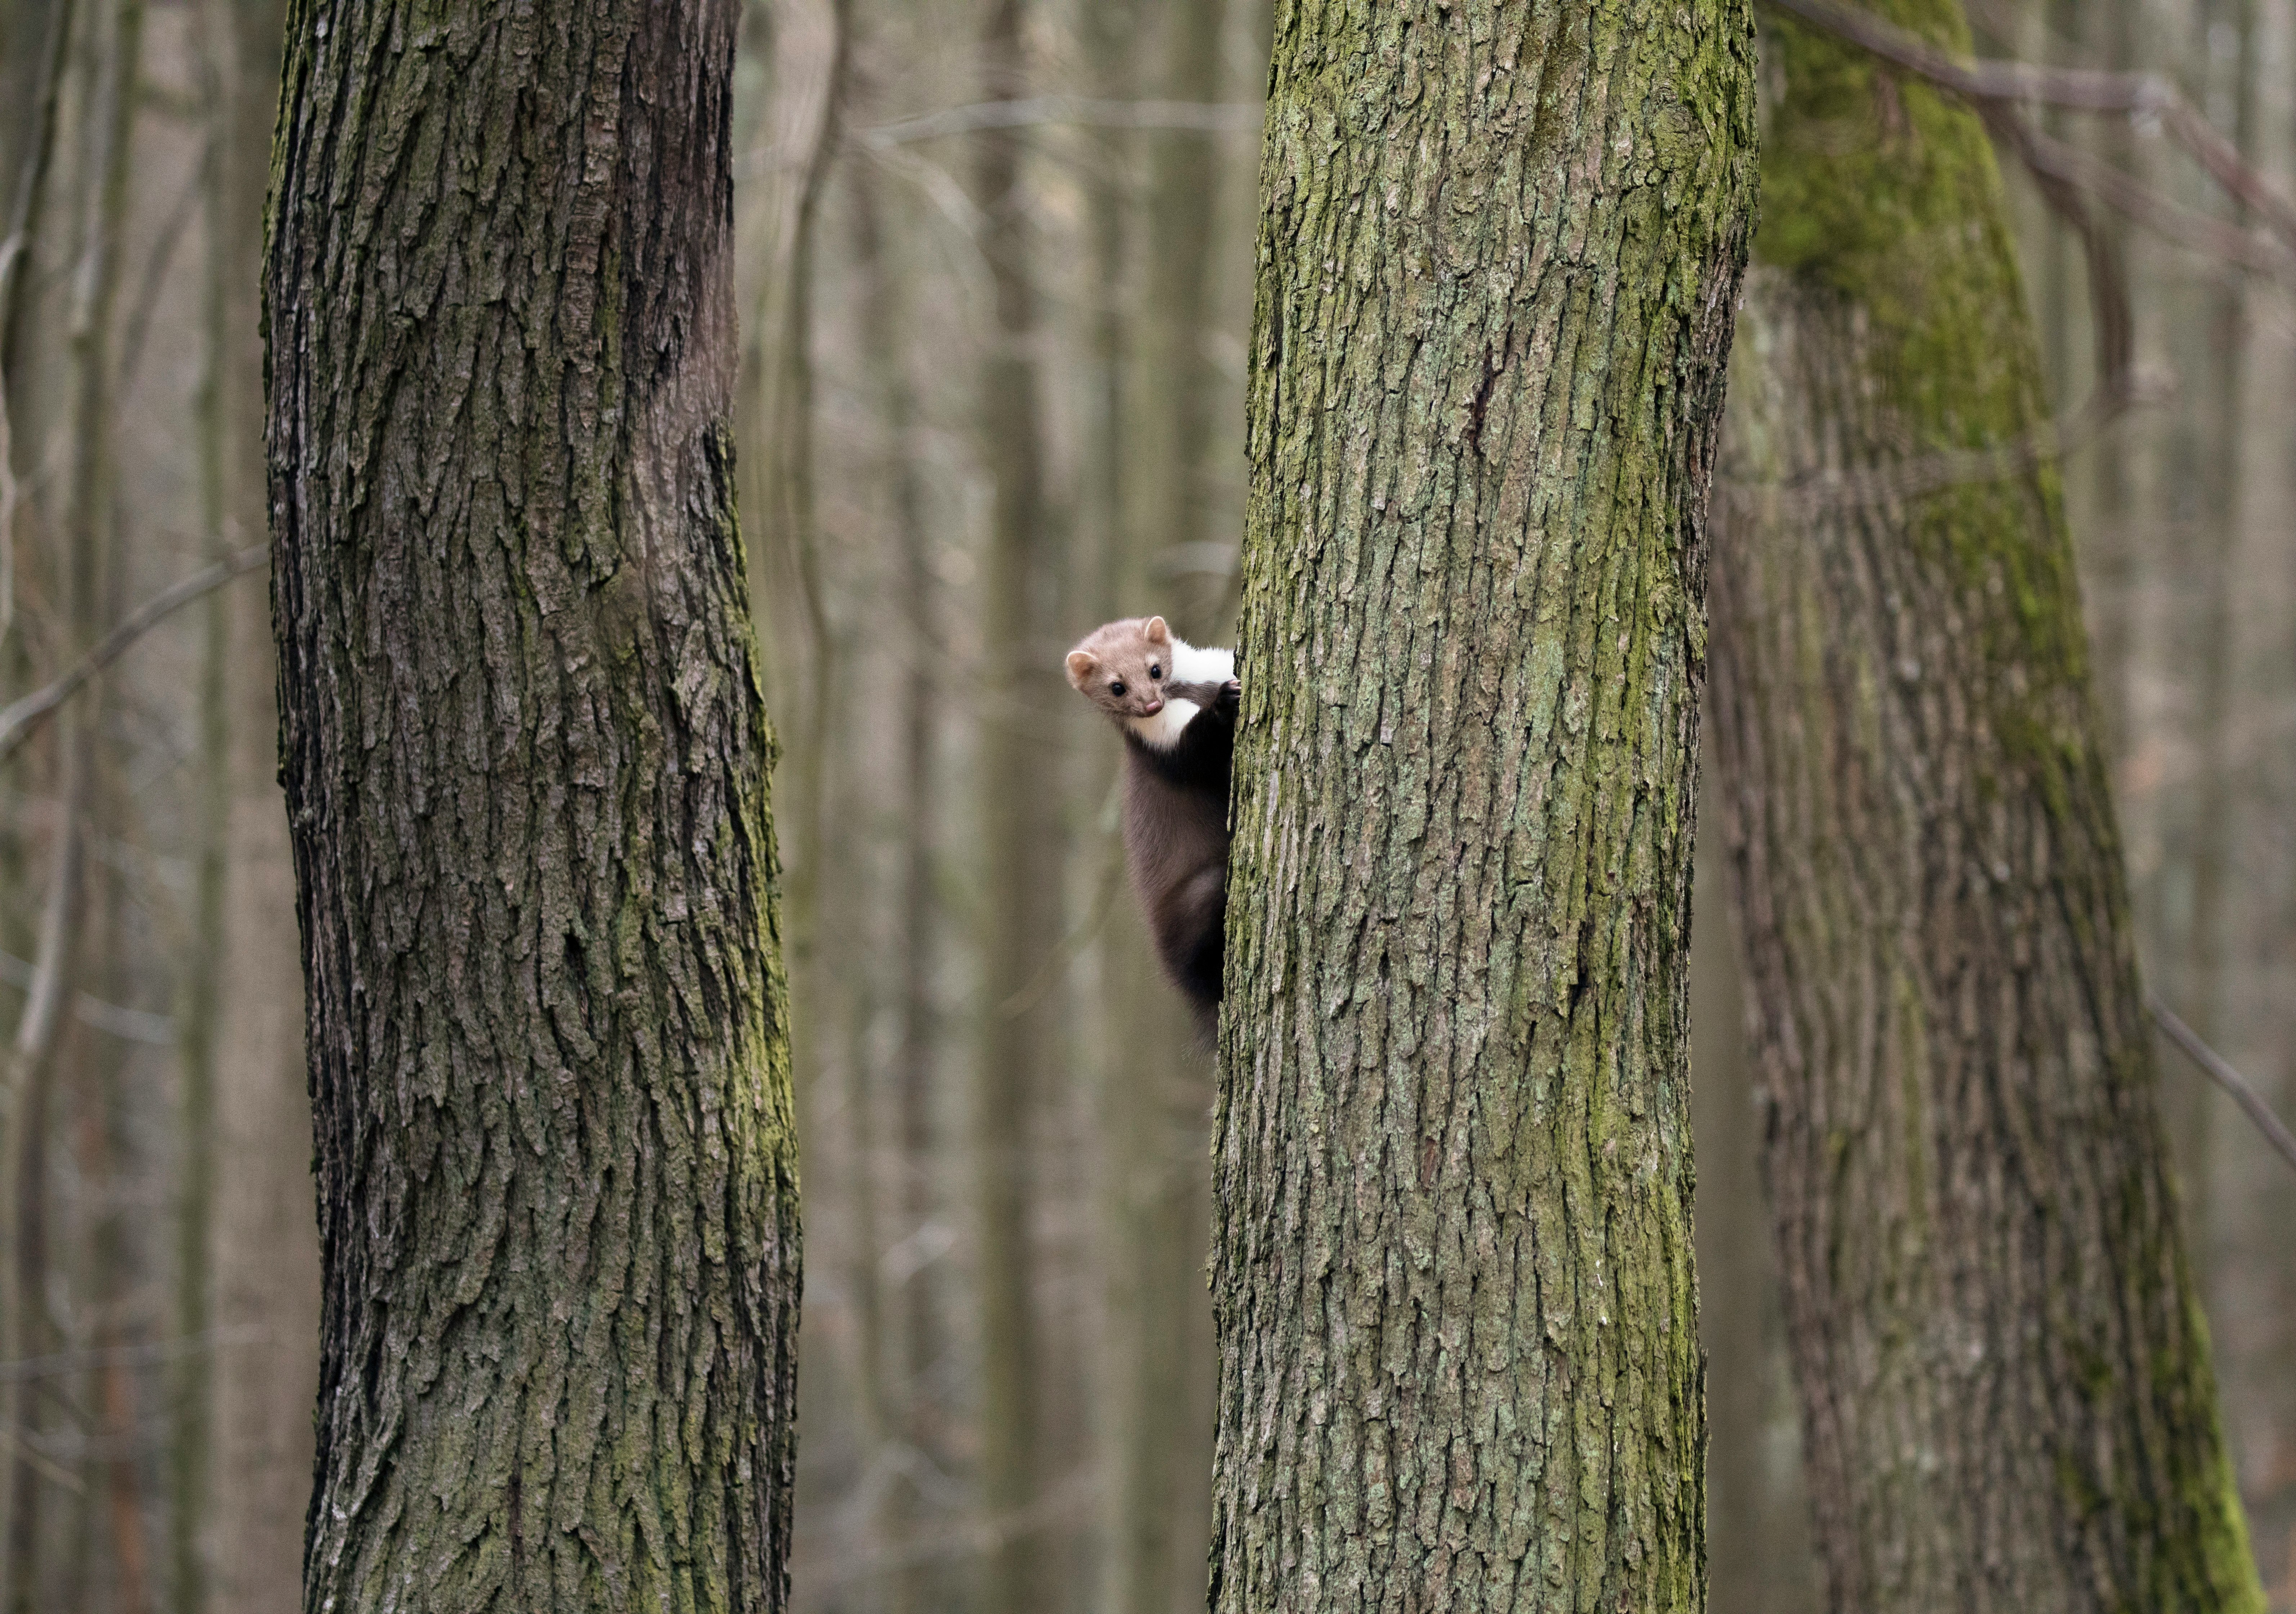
2108, 536
807, 66
1149, 458
1020, 860
526, 765
29, 1332
2208, 443
250, 1249
2178, 806
1171, 421
1759, 1560
2062, 288
106, 1283
32, 61
264, 1243
2007, 1400
82, 564
1459, 1329
916, 1334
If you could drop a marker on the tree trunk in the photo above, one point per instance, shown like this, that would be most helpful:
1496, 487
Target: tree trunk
1456, 1306
1023, 911
1759, 1558
2007, 1402
1170, 421
2109, 541
525, 756
81, 562
915, 1321
249, 1268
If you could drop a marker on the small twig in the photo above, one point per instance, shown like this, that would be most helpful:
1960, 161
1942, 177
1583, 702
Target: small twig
2224, 1075
1204, 117
20, 721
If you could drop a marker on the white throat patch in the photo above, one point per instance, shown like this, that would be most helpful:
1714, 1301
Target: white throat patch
1190, 665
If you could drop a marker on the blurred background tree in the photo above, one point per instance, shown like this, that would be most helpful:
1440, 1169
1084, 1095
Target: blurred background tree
2005, 1382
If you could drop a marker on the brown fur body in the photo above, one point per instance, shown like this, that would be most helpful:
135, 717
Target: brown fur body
1176, 707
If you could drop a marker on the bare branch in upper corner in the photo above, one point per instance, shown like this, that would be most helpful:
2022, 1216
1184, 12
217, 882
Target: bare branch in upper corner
2002, 87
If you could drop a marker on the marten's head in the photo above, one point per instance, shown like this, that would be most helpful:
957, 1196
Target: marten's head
1122, 668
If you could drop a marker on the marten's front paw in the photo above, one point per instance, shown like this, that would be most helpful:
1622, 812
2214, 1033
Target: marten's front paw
1231, 696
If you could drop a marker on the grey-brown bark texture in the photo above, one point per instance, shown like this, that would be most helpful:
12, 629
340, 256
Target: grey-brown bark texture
526, 765
1456, 1309
2007, 1400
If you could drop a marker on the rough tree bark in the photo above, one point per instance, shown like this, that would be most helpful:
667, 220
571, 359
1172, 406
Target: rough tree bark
1457, 1322
2008, 1401
526, 757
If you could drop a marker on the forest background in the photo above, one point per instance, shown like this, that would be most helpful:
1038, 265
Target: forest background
995, 281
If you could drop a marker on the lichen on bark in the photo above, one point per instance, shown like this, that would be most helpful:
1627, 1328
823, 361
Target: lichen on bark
1499, 246
526, 753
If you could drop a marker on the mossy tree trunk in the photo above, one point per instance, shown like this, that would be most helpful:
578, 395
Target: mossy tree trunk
2004, 1378
525, 758
1458, 1320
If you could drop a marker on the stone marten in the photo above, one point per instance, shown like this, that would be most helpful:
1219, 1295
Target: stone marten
1176, 705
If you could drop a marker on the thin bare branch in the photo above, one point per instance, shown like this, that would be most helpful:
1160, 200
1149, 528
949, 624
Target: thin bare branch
2010, 84
1205, 116
2215, 1067
20, 721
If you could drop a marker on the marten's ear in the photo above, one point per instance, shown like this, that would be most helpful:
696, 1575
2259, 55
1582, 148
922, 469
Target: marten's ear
1157, 632
1080, 666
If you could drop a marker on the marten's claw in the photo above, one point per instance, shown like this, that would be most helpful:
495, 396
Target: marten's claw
1231, 696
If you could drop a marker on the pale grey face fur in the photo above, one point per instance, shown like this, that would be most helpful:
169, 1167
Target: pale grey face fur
1123, 667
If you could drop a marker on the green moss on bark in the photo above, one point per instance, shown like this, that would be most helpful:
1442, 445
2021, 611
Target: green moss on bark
1499, 250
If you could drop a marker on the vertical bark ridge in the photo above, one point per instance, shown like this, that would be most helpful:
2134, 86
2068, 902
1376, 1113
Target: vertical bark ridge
2006, 1392
1457, 1310
526, 755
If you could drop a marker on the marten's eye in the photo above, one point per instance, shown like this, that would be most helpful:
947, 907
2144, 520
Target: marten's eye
1154, 671
1117, 688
